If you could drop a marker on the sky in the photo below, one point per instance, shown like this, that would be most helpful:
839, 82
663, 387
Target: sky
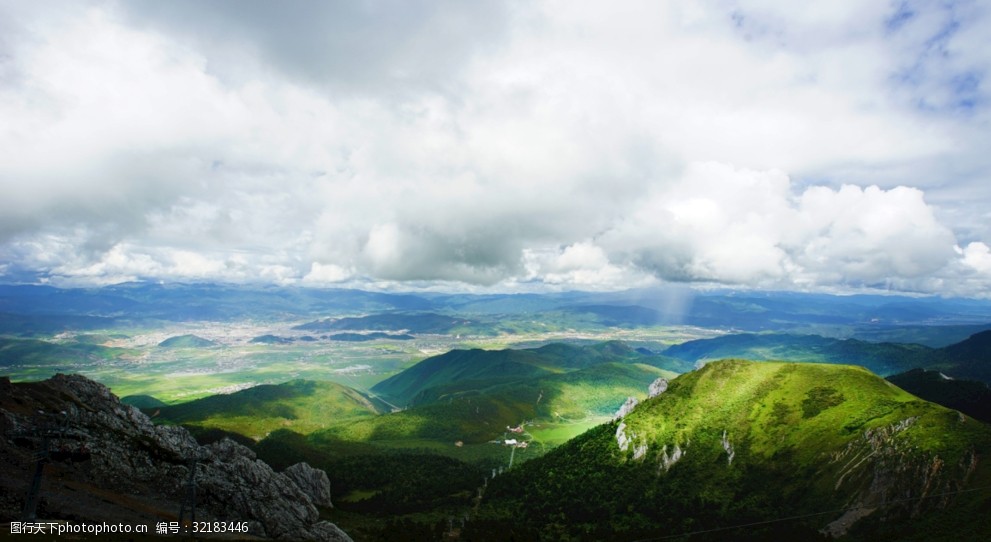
838, 146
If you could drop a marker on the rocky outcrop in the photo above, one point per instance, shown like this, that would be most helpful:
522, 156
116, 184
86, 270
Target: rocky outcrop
657, 387
625, 442
728, 447
313, 482
145, 467
628, 406
622, 440
889, 475
668, 460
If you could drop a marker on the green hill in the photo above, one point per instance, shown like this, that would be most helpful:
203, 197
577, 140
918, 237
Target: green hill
143, 401
186, 341
471, 396
481, 369
57, 355
450, 413
270, 339
484, 367
301, 405
743, 443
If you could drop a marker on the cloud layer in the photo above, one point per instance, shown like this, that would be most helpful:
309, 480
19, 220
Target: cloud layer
511, 146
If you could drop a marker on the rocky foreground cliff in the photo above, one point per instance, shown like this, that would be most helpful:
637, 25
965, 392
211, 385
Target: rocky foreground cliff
109, 463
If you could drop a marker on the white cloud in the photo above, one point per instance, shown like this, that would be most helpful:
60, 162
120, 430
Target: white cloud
977, 257
866, 235
321, 274
581, 265
570, 145
734, 226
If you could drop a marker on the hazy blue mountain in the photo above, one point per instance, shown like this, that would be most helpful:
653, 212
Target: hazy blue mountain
180, 302
186, 341
35, 308
934, 336
270, 339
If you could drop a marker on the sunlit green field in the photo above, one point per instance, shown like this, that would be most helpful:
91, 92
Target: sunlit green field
554, 434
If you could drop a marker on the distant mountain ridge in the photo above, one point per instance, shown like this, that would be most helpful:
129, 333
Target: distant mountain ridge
881, 358
970, 358
971, 397
186, 341
42, 308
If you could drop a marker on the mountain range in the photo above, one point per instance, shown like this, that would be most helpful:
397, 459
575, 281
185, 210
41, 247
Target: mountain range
30, 309
970, 358
493, 417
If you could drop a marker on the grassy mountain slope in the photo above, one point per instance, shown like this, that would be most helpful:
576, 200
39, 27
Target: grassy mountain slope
739, 442
462, 366
474, 416
143, 401
465, 370
15, 352
301, 405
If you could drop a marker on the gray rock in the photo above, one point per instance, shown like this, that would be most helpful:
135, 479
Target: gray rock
728, 447
329, 532
129, 454
243, 487
313, 482
657, 387
628, 406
